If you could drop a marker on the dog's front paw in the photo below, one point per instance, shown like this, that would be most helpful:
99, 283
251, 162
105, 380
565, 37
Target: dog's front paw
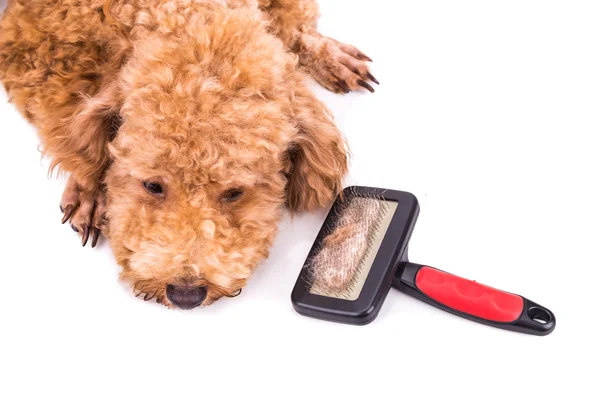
337, 66
84, 209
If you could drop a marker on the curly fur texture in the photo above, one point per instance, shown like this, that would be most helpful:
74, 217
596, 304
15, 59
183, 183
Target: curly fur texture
202, 97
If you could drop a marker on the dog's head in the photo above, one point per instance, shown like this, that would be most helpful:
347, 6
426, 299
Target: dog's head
217, 134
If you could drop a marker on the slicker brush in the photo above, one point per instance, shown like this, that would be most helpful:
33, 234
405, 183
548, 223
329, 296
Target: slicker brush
361, 252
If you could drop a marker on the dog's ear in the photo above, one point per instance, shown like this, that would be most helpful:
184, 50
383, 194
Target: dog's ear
99, 115
81, 134
318, 160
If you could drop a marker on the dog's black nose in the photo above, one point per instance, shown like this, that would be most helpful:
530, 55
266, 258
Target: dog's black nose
186, 297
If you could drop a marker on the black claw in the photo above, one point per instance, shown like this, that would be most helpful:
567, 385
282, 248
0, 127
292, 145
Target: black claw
341, 88
366, 86
68, 213
149, 296
95, 237
371, 77
344, 86
362, 56
74, 228
85, 236
62, 210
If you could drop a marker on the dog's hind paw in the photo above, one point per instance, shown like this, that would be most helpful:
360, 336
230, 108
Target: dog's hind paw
338, 67
84, 209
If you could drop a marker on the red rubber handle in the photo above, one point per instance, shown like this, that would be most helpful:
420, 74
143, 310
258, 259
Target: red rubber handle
469, 297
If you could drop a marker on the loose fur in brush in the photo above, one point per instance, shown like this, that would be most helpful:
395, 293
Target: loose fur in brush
337, 262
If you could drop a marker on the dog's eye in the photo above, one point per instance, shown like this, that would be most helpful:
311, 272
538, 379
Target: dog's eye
232, 195
153, 188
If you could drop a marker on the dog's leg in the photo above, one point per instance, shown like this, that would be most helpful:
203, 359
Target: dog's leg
78, 143
75, 137
337, 66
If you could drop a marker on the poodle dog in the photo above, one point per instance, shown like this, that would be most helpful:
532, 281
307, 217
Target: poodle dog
185, 126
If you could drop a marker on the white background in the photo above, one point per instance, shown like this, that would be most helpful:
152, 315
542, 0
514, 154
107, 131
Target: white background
487, 111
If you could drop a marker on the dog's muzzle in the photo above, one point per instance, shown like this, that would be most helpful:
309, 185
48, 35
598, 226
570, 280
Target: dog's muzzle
186, 297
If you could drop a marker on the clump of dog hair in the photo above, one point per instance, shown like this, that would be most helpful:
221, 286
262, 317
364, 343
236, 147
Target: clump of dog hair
337, 262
